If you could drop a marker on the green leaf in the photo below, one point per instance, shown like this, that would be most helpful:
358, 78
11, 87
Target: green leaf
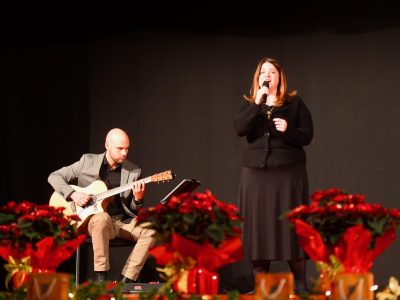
233, 295
189, 218
6, 218
377, 226
236, 223
215, 232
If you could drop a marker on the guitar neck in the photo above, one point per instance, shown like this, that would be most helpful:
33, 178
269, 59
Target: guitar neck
119, 189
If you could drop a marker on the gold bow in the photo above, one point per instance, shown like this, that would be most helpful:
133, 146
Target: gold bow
178, 271
16, 265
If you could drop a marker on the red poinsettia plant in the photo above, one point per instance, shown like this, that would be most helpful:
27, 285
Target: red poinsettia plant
195, 231
32, 233
343, 229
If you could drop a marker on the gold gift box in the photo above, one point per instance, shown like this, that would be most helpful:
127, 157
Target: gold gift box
48, 286
276, 286
353, 286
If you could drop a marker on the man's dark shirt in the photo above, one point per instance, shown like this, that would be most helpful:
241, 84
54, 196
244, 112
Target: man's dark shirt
112, 178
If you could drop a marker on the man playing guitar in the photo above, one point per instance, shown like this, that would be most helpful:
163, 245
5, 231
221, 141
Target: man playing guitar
117, 217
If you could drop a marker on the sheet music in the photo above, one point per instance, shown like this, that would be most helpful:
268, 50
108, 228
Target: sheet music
185, 186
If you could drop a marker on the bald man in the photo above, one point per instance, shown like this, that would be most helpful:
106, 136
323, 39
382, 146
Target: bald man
115, 170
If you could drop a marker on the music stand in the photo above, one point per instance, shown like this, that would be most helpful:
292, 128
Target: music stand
185, 186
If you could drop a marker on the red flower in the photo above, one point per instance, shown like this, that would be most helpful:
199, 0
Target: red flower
341, 198
5, 229
24, 207
41, 213
26, 223
9, 207
356, 199
39, 232
395, 213
299, 210
320, 195
346, 226
199, 217
27, 218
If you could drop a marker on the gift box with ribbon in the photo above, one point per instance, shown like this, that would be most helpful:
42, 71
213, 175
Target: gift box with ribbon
276, 286
43, 286
353, 286
197, 281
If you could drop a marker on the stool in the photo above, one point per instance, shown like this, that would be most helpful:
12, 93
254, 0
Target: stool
117, 242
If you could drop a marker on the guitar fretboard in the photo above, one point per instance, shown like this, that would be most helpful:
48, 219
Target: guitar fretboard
119, 189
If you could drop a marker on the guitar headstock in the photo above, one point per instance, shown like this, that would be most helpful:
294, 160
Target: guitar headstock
163, 176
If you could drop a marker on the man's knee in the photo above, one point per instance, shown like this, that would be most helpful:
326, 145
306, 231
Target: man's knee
148, 233
100, 220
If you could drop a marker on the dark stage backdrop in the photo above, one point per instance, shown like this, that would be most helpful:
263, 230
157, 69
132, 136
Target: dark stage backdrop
177, 93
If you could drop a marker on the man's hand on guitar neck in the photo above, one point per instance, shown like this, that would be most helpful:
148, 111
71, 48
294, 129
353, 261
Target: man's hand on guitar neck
80, 198
138, 189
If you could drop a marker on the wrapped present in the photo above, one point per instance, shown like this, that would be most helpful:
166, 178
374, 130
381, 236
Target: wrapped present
197, 281
276, 286
353, 286
317, 297
43, 286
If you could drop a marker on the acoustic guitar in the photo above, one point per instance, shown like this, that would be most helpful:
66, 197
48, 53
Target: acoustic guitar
100, 197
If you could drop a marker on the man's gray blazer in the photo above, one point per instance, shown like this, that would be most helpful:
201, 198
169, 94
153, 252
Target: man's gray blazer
85, 171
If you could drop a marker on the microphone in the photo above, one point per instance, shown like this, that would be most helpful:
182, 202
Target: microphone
264, 97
